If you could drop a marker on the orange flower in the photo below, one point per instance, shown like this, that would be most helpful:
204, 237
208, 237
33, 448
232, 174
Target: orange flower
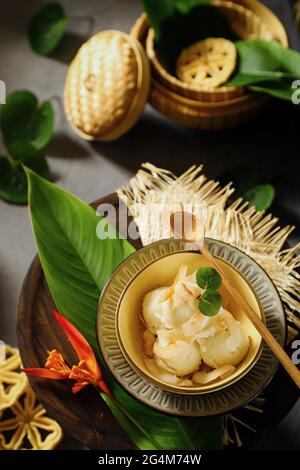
87, 372
56, 363
83, 377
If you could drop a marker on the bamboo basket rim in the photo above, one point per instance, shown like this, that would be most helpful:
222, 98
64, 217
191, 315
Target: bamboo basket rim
182, 110
264, 11
183, 100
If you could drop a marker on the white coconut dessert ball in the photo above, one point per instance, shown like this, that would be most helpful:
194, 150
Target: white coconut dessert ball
175, 354
154, 311
169, 313
227, 346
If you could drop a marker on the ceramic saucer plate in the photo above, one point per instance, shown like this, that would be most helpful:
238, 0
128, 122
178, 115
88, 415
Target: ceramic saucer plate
218, 402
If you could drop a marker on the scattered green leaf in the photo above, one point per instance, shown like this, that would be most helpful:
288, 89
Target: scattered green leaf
242, 178
13, 181
14, 189
47, 27
76, 265
208, 278
5, 172
261, 196
25, 122
210, 302
248, 185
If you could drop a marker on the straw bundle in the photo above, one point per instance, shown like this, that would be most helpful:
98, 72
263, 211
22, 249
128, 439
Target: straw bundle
154, 193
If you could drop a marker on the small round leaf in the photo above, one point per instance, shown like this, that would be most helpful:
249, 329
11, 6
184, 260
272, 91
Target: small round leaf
210, 302
13, 181
5, 173
208, 278
260, 196
242, 178
25, 122
47, 27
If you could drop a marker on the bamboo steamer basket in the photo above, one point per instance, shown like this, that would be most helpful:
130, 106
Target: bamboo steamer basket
245, 23
226, 106
107, 86
190, 113
214, 113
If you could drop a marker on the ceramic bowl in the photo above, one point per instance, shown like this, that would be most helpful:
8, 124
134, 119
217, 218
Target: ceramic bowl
119, 329
161, 273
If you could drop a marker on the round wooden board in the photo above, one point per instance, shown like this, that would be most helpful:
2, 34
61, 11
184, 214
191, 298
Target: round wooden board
85, 416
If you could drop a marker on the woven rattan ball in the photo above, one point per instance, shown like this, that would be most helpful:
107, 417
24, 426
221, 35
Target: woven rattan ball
107, 86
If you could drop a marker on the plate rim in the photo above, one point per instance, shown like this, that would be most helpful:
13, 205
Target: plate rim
135, 395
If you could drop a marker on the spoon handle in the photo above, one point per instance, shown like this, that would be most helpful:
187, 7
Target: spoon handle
269, 339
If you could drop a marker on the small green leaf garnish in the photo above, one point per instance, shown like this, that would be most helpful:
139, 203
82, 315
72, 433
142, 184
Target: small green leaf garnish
210, 302
47, 27
208, 278
24, 121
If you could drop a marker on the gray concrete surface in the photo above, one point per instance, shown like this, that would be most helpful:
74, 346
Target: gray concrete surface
269, 145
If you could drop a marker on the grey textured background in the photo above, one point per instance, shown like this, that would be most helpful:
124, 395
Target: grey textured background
269, 145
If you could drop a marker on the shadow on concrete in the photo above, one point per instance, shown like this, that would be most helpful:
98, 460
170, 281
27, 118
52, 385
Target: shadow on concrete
64, 145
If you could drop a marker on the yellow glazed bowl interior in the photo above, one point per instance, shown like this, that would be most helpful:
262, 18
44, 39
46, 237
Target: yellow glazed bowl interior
162, 272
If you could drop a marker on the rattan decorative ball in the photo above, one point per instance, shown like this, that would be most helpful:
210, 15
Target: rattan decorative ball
107, 86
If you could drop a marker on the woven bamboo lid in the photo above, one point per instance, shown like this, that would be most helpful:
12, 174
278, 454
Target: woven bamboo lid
107, 86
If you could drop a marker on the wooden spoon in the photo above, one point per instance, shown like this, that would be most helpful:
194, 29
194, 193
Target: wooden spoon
191, 230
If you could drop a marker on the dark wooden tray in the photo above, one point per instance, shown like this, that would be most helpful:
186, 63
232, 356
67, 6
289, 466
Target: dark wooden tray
85, 416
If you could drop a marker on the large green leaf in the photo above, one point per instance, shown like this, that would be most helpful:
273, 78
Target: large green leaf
25, 122
13, 181
169, 433
47, 27
159, 11
261, 61
281, 89
77, 264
